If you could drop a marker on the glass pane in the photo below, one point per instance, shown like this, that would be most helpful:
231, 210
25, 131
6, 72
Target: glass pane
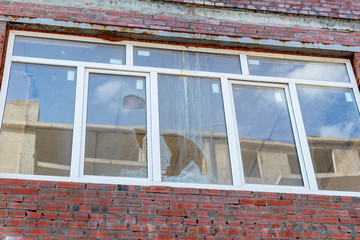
266, 137
116, 126
193, 139
331, 72
332, 126
69, 50
36, 134
210, 62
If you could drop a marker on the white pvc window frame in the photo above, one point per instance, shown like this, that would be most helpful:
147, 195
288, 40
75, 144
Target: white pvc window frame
151, 75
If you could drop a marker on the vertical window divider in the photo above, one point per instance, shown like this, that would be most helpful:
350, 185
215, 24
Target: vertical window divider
78, 123
6, 75
129, 55
309, 172
297, 139
351, 73
155, 129
244, 65
233, 138
84, 97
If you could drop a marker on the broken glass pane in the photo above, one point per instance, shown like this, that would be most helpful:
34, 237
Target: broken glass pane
193, 138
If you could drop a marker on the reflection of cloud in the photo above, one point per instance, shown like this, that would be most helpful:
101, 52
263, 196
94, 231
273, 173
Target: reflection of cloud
338, 130
319, 71
107, 91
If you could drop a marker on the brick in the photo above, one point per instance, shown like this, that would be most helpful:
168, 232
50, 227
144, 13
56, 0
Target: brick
12, 182
143, 228
52, 224
326, 219
20, 223
168, 212
299, 218
192, 191
113, 226
71, 185
10, 231
248, 216
200, 230
83, 193
22, 206
33, 215
53, 207
142, 211
180, 205
257, 202
257, 233
158, 189
127, 235
213, 192
37, 232
101, 234
155, 204
271, 202
83, 225
68, 233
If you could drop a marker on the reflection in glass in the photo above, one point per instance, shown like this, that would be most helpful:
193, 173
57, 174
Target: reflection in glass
68, 50
266, 138
116, 126
332, 126
331, 72
210, 62
36, 134
193, 137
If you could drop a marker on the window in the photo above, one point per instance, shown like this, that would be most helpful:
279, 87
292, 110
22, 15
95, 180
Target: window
84, 109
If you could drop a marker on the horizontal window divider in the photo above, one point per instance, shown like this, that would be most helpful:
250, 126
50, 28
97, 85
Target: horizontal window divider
278, 80
248, 83
232, 77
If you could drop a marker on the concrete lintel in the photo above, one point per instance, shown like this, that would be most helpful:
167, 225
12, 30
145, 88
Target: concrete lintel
40, 24
209, 13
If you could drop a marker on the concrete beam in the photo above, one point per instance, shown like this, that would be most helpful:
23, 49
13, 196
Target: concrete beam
209, 13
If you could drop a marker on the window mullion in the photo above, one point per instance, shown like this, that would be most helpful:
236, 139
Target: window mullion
233, 138
78, 116
155, 132
6, 76
309, 172
129, 55
244, 65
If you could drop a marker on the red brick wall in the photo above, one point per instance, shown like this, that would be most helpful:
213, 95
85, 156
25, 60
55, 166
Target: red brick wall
50, 209
347, 9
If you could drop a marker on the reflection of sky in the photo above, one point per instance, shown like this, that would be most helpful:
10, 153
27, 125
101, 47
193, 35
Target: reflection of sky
105, 100
49, 86
187, 60
190, 104
333, 72
329, 112
262, 114
68, 50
